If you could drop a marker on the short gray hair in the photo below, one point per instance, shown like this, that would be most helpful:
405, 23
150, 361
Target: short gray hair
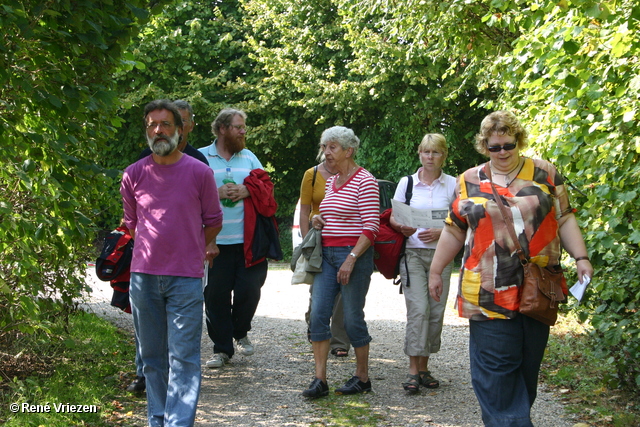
163, 104
225, 117
343, 136
184, 106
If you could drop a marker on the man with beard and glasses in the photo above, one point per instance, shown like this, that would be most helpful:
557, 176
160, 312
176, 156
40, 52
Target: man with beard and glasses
172, 210
186, 113
188, 123
234, 281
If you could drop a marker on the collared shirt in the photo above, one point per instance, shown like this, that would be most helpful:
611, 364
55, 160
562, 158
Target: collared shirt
241, 164
438, 195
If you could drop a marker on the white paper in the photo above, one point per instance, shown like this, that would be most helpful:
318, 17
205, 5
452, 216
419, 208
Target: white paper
578, 289
418, 218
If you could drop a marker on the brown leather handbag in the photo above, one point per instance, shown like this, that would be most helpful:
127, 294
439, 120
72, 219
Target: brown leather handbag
541, 289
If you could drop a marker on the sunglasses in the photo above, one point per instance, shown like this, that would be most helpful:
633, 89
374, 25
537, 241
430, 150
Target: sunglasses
498, 148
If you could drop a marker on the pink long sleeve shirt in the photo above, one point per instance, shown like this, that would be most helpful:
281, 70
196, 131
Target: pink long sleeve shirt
168, 206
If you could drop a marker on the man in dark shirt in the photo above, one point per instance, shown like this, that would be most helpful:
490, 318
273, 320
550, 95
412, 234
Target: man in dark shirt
187, 119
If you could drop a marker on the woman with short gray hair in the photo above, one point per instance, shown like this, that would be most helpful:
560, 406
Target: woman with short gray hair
349, 219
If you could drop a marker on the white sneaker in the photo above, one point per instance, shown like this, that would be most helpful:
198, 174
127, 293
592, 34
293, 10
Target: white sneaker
218, 360
244, 346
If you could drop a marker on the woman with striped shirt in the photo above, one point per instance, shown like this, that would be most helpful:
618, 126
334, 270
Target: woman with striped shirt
349, 219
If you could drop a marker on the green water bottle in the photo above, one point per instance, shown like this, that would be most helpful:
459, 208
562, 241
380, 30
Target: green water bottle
228, 178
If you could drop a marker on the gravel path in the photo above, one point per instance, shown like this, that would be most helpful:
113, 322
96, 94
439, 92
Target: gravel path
265, 389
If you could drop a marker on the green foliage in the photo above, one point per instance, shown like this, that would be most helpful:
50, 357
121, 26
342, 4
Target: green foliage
57, 105
390, 70
589, 388
87, 352
579, 72
570, 70
296, 68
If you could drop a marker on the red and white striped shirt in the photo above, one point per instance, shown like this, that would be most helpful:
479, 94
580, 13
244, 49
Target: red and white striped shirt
351, 210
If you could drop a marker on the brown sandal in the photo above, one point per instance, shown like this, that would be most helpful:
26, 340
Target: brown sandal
340, 352
426, 380
412, 385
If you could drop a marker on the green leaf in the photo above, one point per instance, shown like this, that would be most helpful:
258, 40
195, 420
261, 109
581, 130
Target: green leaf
572, 81
571, 47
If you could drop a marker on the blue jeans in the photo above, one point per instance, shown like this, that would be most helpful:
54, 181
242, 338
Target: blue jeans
505, 358
354, 293
167, 315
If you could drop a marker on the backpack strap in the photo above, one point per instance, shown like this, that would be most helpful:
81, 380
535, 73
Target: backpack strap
408, 193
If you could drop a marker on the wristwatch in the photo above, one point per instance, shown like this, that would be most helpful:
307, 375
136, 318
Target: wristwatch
353, 255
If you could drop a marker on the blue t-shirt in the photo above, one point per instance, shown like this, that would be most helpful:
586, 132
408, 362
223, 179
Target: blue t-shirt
241, 164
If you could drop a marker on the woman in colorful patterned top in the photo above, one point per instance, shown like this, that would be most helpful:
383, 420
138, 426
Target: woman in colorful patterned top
349, 219
505, 348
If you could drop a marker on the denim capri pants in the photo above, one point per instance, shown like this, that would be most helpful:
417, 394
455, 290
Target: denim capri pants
354, 294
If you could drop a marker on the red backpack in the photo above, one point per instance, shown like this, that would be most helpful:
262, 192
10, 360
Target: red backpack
388, 248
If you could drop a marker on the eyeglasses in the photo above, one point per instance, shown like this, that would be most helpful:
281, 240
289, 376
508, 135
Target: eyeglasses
498, 148
431, 153
238, 127
163, 125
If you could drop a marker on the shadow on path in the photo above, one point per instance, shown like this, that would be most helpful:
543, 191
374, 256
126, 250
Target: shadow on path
265, 389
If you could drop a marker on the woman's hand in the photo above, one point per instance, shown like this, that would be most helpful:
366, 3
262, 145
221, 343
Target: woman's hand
317, 222
430, 235
407, 231
345, 270
584, 268
435, 286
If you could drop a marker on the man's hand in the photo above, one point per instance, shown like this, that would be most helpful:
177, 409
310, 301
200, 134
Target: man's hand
234, 192
211, 251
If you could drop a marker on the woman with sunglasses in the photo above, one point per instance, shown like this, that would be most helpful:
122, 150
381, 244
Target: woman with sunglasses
505, 347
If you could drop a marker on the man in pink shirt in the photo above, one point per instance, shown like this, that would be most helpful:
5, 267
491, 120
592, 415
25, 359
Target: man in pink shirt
172, 209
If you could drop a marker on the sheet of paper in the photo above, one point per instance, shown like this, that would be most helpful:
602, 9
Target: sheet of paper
578, 289
418, 218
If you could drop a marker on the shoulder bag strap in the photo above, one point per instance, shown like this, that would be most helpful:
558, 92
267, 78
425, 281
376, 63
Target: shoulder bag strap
315, 171
505, 217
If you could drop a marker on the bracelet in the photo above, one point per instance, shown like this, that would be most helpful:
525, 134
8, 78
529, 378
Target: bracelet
353, 255
580, 258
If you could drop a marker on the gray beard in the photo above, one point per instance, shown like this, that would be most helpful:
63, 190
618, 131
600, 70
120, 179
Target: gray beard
166, 146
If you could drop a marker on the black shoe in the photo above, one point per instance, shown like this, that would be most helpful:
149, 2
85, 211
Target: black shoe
318, 388
354, 386
138, 385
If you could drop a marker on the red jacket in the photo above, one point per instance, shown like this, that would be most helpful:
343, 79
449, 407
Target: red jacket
260, 201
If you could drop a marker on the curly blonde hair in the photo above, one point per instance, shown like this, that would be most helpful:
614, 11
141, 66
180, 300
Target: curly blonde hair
500, 123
